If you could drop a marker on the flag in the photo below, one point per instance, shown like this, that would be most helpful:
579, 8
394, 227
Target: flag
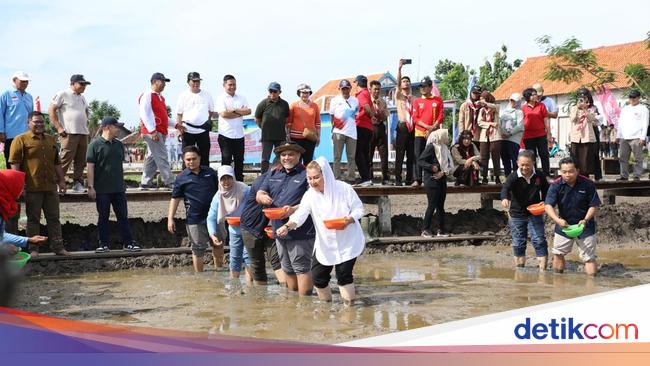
611, 109
38, 104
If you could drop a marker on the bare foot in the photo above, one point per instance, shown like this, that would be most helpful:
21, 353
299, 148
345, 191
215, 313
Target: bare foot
63, 252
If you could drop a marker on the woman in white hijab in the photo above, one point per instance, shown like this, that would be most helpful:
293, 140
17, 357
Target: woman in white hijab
436, 163
226, 203
327, 199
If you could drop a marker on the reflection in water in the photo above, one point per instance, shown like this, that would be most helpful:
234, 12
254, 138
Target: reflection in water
395, 292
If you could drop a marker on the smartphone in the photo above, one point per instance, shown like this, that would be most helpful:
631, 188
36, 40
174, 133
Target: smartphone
407, 61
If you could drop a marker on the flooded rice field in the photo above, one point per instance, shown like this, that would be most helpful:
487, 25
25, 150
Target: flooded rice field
397, 291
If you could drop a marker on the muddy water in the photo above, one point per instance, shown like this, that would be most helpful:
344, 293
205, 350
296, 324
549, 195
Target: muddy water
396, 292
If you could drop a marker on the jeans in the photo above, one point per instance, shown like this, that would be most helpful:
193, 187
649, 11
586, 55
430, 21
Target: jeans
404, 143
267, 148
103, 202
509, 154
539, 145
238, 253
339, 140
520, 227
379, 141
364, 136
202, 141
233, 149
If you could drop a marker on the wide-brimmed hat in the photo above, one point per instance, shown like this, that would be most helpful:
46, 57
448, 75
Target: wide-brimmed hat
289, 145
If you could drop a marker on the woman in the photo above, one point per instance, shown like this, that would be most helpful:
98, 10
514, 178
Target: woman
436, 163
466, 157
227, 202
511, 120
326, 199
490, 137
537, 131
583, 117
304, 123
11, 185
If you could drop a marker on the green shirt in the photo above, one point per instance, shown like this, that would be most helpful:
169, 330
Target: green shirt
107, 157
274, 119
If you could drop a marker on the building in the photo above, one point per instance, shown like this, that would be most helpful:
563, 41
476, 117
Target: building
532, 71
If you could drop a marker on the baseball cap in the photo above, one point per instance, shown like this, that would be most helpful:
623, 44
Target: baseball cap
634, 93
289, 145
344, 84
360, 79
78, 78
515, 96
225, 170
274, 85
20, 75
426, 81
111, 121
477, 89
159, 76
194, 76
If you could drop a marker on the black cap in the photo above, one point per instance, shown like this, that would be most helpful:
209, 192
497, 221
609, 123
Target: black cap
289, 145
477, 89
194, 76
344, 84
111, 121
158, 76
634, 93
78, 78
426, 81
360, 79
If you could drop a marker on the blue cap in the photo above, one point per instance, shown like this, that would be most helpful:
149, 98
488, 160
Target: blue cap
344, 84
274, 85
158, 76
111, 121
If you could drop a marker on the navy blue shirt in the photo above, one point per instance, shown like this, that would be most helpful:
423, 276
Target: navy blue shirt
252, 217
287, 188
197, 191
574, 202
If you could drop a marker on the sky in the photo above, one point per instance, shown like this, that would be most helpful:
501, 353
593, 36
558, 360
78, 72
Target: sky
118, 44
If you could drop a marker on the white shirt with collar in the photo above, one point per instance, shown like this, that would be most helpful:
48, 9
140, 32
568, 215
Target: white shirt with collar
339, 107
519, 175
195, 108
633, 122
232, 128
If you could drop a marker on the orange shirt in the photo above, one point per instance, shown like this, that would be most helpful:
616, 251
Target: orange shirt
301, 117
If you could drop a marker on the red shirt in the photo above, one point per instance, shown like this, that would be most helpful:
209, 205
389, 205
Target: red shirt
428, 111
363, 119
534, 120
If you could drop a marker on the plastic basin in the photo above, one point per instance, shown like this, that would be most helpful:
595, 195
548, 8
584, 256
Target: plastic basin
274, 213
536, 209
19, 260
233, 221
269, 231
335, 224
573, 231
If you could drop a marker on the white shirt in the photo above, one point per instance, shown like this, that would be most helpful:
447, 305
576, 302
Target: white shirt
336, 201
232, 128
345, 110
633, 122
195, 108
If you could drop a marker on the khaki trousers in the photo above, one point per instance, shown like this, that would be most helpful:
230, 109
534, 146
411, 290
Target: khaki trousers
73, 148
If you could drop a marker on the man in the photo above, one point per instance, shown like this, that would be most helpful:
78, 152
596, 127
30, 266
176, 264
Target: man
630, 136
551, 107
364, 131
154, 123
284, 187
343, 109
196, 185
379, 138
577, 201
522, 188
404, 138
193, 111
232, 108
69, 114
106, 185
271, 116
468, 114
428, 114
35, 153
15, 105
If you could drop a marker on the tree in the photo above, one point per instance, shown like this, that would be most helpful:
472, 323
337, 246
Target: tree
99, 110
452, 79
491, 75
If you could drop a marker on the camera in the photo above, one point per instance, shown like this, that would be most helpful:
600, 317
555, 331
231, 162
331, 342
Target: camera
407, 61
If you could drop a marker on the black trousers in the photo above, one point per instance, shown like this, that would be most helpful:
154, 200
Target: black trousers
509, 154
539, 145
420, 144
233, 150
364, 136
404, 145
200, 140
309, 147
436, 196
267, 148
598, 171
321, 273
379, 141
490, 150
6, 152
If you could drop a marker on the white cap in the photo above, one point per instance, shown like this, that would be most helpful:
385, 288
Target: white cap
20, 75
539, 88
515, 96
225, 170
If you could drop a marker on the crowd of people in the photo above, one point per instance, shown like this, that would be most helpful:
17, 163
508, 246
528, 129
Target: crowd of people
309, 191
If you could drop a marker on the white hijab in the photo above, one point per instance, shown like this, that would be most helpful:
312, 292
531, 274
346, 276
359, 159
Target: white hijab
332, 203
440, 138
229, 199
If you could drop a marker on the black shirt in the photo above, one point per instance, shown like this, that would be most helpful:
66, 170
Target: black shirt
274, 119
197, 191
522, 193
252, 217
